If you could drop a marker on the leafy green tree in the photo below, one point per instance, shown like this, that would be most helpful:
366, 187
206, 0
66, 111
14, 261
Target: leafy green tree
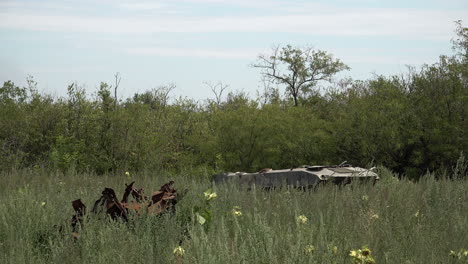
13, 125
299, 69
460, 42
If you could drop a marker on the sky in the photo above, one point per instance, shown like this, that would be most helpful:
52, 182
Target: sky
192, 42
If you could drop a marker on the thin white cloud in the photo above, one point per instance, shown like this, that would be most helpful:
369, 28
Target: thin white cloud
68, 69
382, 59
348, 55
142, 6
266, 4
355, 22
192, 52
39, 6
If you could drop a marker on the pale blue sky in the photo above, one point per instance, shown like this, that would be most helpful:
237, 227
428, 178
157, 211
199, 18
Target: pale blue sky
189, 42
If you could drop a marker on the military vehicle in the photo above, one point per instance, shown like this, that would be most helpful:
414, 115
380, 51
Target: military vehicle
302, 177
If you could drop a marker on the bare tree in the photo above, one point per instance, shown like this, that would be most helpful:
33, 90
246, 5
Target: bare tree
217, 90
117, 83
269, 94
161, 93
298, 68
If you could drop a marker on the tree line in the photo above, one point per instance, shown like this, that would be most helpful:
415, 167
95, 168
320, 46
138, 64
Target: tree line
410, 123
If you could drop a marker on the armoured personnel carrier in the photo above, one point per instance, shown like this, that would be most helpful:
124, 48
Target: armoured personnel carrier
303, 177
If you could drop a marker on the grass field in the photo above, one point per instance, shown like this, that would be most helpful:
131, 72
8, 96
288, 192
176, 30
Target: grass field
399, 221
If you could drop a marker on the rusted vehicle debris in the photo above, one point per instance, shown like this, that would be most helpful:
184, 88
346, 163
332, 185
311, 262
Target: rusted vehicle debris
160, 201
303, 177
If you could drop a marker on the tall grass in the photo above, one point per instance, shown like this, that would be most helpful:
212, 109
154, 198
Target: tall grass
400, 221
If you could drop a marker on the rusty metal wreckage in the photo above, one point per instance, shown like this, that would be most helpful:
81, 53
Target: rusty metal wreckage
160, 201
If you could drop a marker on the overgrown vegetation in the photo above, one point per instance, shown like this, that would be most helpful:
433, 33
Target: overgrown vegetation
397, 220
409, 123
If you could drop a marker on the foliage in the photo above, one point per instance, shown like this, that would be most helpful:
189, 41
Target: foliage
417, 222
299, 69
203, 213
409, 123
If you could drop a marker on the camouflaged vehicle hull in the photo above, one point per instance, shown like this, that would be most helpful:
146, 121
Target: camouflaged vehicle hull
307, 176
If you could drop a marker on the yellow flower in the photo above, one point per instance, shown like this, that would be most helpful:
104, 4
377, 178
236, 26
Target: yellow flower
127, 174
237, 213
365, 197
309, 249
179, 251
362, 256
302, 219
416, 214
374, 216
209, 195
43, 204
461, 253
